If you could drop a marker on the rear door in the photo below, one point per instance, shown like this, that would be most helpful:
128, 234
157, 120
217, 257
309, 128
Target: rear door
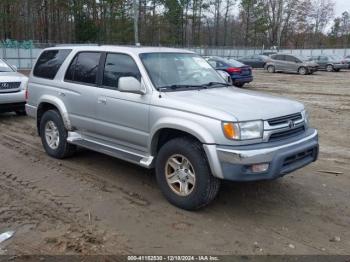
123, 118
291, 64
279, 62
81, 90
322, 61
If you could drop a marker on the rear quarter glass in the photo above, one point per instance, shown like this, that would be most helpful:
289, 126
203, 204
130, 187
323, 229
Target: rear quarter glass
50, 62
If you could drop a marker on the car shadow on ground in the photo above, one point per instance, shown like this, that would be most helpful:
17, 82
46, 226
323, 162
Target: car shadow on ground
241, 198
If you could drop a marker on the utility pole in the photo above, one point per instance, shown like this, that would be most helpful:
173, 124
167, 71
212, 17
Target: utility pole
136, 22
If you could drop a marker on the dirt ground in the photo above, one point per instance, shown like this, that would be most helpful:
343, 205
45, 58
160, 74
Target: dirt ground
95, 204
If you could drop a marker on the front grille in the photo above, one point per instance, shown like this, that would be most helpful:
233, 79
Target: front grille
284, 119
287, 133
310, 153
9, 85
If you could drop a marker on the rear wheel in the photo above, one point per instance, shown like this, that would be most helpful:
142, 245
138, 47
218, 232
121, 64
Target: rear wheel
54, 135
271, 69
329, 68
184, 175
302, 71
238, 84
21, 112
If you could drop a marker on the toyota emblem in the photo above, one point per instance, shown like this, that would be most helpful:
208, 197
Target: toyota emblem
291, 124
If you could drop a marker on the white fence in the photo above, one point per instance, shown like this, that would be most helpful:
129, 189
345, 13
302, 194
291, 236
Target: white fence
236, 53
25, 58
20, 57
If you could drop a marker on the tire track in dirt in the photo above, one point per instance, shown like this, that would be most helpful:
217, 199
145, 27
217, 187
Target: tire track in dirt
36, 154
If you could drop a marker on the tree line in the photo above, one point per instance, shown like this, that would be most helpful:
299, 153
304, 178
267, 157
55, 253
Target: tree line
244, 23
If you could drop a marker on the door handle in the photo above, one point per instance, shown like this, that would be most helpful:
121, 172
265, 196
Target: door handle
102, 100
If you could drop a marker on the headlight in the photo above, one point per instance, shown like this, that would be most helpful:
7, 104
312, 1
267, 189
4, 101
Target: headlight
243, 130
306, 117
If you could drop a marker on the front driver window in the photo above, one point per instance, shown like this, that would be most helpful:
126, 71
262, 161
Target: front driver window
119, 65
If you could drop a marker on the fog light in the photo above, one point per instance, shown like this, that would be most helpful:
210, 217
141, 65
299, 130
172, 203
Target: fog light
259, 168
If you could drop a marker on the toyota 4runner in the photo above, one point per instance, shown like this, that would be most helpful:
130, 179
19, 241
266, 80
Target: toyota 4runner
166, 109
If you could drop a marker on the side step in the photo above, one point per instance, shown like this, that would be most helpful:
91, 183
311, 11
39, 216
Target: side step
117, 152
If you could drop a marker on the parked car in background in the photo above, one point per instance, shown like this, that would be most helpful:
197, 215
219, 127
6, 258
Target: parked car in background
330, 63
241, 74
291, 63
166, 109
269, 53
12, 89
255, 61
347, 60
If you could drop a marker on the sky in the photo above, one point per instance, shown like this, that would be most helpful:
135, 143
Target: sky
341, 6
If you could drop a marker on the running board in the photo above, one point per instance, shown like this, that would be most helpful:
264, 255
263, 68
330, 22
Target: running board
117, 152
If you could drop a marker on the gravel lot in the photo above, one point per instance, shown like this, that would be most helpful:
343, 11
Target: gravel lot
92, 203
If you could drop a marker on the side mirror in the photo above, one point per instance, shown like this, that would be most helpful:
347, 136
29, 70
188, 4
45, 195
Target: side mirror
130, 84
14, 67
225, 76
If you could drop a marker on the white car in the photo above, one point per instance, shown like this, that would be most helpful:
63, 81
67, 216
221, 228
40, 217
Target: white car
12, 89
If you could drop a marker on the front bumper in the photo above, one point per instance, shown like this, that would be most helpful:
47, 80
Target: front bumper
313, 69
233, 163
12, 101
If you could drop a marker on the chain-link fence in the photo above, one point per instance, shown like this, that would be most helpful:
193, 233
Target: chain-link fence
24, 54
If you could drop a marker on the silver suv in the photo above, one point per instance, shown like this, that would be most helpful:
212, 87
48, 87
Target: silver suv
291, 64
166, 109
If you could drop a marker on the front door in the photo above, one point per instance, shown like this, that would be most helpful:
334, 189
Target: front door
123, 117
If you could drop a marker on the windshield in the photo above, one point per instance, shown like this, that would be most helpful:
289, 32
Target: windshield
303, 58
232, 62
180, 70
4, 67
335, 57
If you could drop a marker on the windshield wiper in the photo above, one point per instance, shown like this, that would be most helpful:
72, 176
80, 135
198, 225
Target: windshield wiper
203, 86
210, 84
174, 87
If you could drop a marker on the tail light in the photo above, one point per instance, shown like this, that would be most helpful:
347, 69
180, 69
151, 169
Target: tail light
26, 94
232, 70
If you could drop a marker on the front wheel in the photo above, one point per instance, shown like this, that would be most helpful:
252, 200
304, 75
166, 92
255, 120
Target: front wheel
271, 69
54, 135
330, 68
302, 71
183, 174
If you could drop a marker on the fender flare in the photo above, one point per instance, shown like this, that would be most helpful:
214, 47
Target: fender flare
180, 124
55, 101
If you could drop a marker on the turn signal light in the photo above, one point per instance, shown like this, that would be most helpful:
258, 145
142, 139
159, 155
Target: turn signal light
229, 130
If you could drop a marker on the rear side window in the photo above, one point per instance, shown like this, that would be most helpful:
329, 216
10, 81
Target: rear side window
119, 65
84, 68
278, 57
290, 58
50, 62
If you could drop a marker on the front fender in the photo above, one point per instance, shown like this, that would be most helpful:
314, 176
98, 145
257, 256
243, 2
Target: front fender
180, 124
58, 103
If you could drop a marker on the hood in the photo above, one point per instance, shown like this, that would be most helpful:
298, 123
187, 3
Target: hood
12, 77
230, 104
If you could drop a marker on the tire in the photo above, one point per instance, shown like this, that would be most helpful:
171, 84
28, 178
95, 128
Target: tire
239, 85
52, 120
271, 69
302, 71
21, 112
205, 186
329, 68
